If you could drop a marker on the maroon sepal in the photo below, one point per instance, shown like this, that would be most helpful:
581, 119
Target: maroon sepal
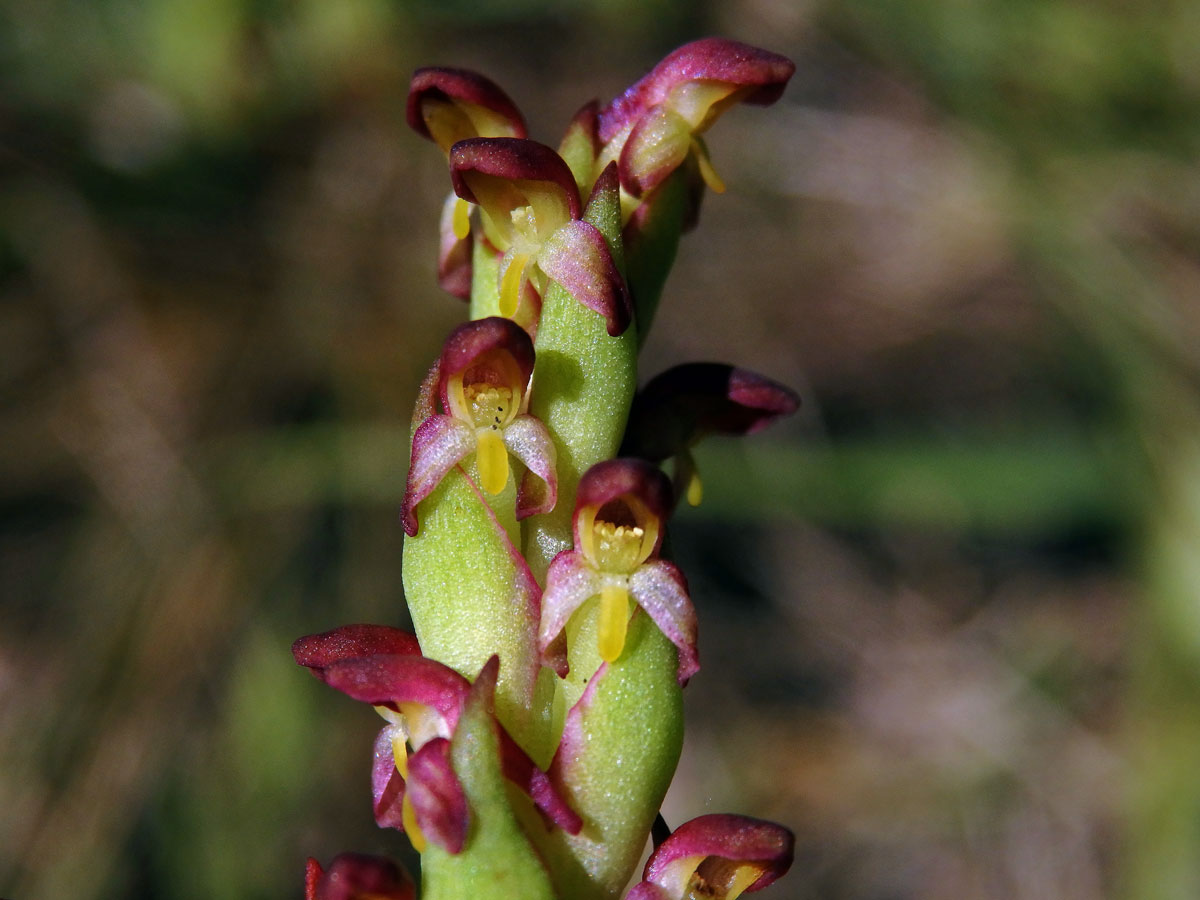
392, 680
387, 784
760, 73
437, 796
459, 85
508, 160
686, 403
316, 651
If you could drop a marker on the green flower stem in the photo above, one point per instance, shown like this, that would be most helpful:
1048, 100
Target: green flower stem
469, 600
583, 383
497, 860
616, 772
485, 275
650, 255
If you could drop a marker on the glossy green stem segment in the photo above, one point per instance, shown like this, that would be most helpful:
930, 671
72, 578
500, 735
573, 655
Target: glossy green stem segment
485, 276
620, 747
497, 859
583, 383
652, 245
470, 599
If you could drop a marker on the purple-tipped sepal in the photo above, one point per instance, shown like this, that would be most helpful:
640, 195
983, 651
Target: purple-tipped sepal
355, 876
717, 856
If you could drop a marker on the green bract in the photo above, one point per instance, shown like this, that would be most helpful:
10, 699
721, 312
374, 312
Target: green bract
585, 383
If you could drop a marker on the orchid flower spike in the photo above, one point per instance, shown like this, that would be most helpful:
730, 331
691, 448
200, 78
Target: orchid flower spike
421, 700
482, 385
681, 406
532, 215
620, 510
656, 124
447, 106
718, 857
355, 876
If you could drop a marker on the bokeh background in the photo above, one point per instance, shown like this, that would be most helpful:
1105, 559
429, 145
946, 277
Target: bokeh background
950, 613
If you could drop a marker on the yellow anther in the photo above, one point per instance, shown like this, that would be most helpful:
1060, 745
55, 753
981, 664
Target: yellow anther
408, 817
462, 218
488, 404
707, 172
695, 490
614, 621
617, 548
524, 220
491, 457
512, 284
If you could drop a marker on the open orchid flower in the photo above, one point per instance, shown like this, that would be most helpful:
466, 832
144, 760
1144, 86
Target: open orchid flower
447, 106
685, 404
421, 700
656, 124
483, 381
355, 876
532, 214
620, 510
718, 857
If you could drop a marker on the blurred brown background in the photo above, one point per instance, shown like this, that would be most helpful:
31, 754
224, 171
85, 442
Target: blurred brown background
950, 614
